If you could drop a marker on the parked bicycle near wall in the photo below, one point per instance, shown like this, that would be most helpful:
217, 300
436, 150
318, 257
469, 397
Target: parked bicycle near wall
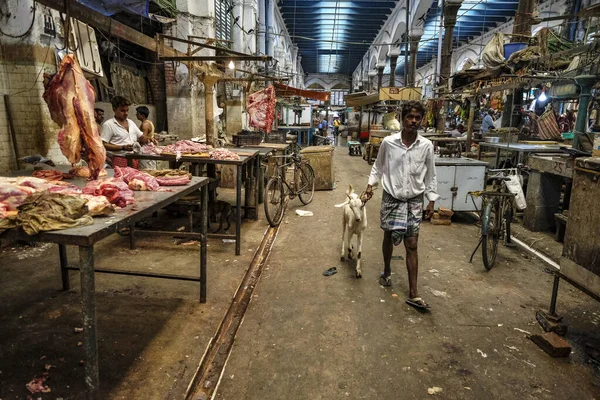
496, 213
279, 190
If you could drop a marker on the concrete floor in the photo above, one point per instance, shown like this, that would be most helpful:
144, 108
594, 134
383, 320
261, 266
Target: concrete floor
152, 332
305, 336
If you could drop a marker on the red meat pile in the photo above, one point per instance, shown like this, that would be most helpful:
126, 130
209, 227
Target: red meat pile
261, 107
114, 189
136, 180
185, 146
224, 154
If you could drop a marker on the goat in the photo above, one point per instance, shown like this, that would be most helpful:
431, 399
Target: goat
354, 222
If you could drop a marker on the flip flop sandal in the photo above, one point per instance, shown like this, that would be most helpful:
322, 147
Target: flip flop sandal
418, 303
385, 281
330, 271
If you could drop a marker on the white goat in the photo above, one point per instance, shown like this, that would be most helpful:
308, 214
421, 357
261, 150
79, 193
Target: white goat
355, 222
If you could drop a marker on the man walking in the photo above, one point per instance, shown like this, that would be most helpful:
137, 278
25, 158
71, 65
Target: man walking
406, 166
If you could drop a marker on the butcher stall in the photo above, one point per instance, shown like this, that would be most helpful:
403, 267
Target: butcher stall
80, 213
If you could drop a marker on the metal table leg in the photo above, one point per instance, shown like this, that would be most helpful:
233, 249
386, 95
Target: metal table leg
86, 265
203, 247
248, 189
238, 205
261, 183
255, 180
64, 263
497, 157
132, 236
552, 309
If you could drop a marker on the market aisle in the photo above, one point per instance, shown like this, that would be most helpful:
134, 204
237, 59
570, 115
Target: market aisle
307, 336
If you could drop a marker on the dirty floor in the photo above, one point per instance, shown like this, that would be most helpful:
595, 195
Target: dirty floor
308, 336
304, 336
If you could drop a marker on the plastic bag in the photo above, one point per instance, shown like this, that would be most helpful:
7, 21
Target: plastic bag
513, 184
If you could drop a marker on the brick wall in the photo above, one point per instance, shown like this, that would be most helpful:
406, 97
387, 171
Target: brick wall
156, 78
22, 69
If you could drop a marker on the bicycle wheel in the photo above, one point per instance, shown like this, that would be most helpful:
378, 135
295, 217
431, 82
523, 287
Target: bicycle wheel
307, 183
490, 222
274, 201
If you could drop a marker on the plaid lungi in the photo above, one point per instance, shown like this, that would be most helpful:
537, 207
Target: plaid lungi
403, 218
118, 161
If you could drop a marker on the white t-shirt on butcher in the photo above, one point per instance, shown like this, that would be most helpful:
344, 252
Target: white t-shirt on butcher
114, 133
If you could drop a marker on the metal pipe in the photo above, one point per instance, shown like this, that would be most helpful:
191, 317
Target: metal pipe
13, 135
438, 66
203, 240
536, 253
406, 45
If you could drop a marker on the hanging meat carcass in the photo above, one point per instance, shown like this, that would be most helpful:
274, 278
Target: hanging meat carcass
70, 98
261, 108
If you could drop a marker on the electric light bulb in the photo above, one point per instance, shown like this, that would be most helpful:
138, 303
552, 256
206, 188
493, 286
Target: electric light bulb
231, 65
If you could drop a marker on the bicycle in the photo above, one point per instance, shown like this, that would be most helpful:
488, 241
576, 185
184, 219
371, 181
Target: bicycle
279, 190
496, 215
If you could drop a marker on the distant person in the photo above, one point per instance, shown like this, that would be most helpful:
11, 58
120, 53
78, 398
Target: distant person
487, 124
459, 131
147, 127
120, 133
99, 116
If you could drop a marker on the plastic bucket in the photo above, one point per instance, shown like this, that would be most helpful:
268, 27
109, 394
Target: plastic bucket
510, 48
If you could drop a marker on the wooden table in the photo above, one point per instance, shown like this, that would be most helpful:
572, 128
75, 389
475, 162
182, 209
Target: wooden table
146, 203
249, 159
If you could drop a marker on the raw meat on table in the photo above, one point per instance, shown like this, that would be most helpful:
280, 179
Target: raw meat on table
224, 154
170, 177
84, 172
261, 108
185, 147
98, 205
114, 189
70, 98
129, 174
48, 174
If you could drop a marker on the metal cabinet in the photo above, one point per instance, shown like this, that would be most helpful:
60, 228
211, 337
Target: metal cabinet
455, 178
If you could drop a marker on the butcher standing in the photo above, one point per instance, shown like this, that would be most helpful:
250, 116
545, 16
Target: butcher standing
120, 133
405, 164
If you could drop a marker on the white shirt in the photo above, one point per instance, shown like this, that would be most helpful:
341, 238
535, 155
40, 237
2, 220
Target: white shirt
406, 172
114, 133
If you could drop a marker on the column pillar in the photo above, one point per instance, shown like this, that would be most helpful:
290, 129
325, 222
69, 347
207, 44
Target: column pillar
415, 38
522, 25
262, 27
380, 68
236, 32
585, 83
394, 53
451, 8
371, 75
209, 113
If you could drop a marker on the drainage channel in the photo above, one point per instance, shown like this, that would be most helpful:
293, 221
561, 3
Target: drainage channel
205, 382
